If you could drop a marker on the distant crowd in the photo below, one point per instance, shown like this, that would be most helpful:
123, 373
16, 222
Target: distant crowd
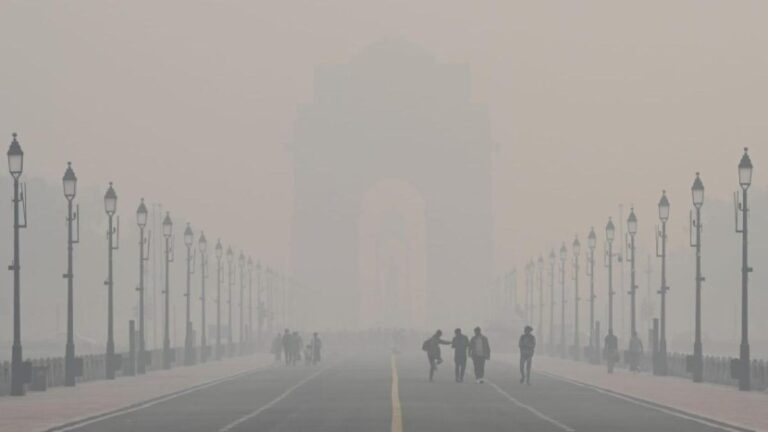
290, 345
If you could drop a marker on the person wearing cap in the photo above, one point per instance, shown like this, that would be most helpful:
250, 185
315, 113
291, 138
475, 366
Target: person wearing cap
527, 344
460, 345
480, 351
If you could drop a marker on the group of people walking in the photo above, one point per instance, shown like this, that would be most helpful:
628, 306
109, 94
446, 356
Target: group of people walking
479, 350
290, 346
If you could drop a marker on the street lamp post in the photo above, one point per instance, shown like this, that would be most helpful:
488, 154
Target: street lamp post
189, 344
577, 347
70, 189
552, 303
110, 206
541, 292
141, 221
203, 246
529, 276
745, 179
662, 237
16, 166
230, 282
241, 335
250, 304
632, 231
563, 255
168, 234
610, 232
697, 195
591, 243
259, 305
219, 253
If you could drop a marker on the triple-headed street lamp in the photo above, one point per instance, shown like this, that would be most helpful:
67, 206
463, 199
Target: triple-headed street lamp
168, 234
141, 221
745, 180
697, 195
576, 249
189, 343
591, 243
110, 206
661, 236
70, 190
16, 166
203, 246
632, 231
563, 255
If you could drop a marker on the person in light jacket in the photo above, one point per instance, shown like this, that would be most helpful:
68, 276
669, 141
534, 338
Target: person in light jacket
480, 351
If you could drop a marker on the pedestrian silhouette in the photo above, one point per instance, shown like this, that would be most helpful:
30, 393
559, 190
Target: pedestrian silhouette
480, 351
527, 344
460, 345
432, 347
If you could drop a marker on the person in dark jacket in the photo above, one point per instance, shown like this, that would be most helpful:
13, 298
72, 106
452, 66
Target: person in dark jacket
611, 350
432, 347
527, 344
480, 351
460, 345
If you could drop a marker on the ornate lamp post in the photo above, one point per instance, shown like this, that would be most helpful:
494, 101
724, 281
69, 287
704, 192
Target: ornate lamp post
745, 180
16, 166
189, 343
203, 246
219, 253
563, 345
230, 282
591, 243
141, 221
168, 234
260, 310
110, 206
241, 335
632, 231
540, 263
70, 189
250, 304
697, 195
661, 236
576, 249
610, 233
552, 302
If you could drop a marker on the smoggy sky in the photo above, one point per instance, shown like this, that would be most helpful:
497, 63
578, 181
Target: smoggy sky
193, 103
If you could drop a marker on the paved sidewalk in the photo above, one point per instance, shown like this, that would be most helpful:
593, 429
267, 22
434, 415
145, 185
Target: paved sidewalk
40, 411
726, 404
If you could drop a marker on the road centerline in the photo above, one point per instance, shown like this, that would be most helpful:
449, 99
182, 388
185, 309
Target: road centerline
397, 412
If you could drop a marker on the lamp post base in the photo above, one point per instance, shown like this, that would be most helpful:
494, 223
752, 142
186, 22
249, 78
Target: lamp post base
745, 372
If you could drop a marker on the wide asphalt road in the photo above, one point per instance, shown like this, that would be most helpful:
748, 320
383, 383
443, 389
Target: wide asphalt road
379, 392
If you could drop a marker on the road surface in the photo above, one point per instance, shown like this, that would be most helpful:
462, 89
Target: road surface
379, 392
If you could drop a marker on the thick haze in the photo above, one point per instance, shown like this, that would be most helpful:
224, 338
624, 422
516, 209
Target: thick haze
195, 105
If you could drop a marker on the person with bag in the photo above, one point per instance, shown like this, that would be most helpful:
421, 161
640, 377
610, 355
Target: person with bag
432, 347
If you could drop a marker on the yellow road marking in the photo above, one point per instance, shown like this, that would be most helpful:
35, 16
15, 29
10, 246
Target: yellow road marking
397, 413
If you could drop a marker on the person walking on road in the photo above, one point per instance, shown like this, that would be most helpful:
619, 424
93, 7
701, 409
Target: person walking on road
460, 345
287, 347
480, 351
611, 350
277, 347
432, 347
635, 352
527, 344
316, 348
